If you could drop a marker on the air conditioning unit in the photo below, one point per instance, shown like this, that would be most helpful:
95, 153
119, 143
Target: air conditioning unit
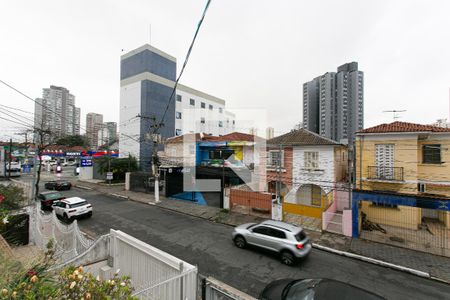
421, 187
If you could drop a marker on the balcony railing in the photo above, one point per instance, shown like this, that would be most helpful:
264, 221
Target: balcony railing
386, 173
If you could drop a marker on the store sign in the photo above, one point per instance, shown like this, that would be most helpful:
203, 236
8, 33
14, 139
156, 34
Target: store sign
109, 175
86, 162
73, 153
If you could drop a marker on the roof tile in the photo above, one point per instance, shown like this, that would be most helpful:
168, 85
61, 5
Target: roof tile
404, 127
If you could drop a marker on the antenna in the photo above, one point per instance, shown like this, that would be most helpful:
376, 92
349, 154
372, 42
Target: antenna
394, 112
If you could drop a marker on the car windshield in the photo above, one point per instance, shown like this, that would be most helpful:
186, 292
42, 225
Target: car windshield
78, 204
52, 196
300, 236
301, 290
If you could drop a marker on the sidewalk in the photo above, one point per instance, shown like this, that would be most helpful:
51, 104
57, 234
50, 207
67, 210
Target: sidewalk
438, 267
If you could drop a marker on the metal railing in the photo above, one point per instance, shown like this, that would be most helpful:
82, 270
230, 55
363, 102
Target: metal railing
385, 173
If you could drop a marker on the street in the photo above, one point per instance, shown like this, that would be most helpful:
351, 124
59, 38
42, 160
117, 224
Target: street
209, 246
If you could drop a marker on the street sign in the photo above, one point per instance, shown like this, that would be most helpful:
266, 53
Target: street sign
109, 175
86, 162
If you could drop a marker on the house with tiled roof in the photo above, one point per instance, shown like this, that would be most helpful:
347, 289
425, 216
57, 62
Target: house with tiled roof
309, 171
402, 190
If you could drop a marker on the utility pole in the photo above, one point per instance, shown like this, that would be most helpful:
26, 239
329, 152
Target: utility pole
109, 155
10, 157
155, 138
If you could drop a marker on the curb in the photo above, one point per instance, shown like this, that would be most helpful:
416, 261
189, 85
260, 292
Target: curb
377, 262
119, 196
84, 187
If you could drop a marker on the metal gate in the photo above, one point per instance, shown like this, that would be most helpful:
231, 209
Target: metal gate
416, 228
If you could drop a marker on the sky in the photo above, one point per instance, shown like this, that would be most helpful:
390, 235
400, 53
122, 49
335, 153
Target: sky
255, 54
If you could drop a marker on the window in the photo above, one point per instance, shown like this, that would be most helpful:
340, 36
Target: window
234, 122
277, 233
220, 124
431, 154
300, 236
202, 120
177, 115
311, 160
220, 110
203, 105
262, 230
192, 102
421, 187
274, 157
179, 98
210, 107
178, 132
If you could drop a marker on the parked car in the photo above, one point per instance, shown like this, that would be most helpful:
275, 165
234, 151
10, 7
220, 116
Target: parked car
314, 289
288, 240
72, 207
58, 185
48, 198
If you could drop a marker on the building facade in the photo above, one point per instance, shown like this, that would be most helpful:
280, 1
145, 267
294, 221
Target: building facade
309, 170
56, 111
147, 79
94, 123
333, 104
403, 186
107, 135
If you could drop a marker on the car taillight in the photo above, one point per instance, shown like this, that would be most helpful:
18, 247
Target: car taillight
299, 246
72, 210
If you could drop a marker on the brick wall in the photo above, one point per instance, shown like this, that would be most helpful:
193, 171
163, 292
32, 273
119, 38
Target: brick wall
258, 200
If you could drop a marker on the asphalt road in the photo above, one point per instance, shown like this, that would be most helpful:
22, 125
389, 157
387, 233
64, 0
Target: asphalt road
208, 245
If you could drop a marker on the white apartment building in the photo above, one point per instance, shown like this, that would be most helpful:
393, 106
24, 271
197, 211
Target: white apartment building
208, 113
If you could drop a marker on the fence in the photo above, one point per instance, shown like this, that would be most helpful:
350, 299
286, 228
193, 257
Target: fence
68, 240
421, 229
244, 200
155, 274
143, 182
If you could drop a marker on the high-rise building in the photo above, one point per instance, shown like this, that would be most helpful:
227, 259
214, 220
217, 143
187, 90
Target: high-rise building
107, 134
56, 111
270, 133
147, 78
333, 104
94, 122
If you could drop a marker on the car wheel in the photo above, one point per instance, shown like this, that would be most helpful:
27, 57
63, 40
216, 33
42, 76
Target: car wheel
287, 258
66, 217
240, 242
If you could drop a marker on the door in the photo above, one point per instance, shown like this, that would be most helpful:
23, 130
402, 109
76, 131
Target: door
384, 160
260, 237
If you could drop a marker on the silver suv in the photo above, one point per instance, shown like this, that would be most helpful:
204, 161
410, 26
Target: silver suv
288, 240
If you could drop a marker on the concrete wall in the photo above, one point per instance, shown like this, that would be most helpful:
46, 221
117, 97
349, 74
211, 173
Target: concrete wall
258, 200
347, 222
129, 125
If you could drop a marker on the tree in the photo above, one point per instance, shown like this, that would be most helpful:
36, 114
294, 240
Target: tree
73, 140
119, 166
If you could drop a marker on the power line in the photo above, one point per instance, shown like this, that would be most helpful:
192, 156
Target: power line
18, 109
155, 130
2, 110
37, 102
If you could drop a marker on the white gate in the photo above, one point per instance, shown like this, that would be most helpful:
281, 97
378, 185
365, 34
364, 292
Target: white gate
155, 274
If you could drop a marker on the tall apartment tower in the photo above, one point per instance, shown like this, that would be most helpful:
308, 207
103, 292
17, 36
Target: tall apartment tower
94, 123
56, 111
333, 104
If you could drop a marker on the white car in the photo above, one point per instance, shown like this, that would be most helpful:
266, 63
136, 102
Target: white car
73, 207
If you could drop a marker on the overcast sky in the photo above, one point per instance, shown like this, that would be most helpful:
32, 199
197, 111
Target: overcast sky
253, 54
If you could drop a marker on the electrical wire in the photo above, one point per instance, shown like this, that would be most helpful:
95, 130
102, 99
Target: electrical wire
155, 130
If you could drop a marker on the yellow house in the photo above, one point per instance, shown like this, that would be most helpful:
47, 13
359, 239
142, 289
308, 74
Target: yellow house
403, 179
